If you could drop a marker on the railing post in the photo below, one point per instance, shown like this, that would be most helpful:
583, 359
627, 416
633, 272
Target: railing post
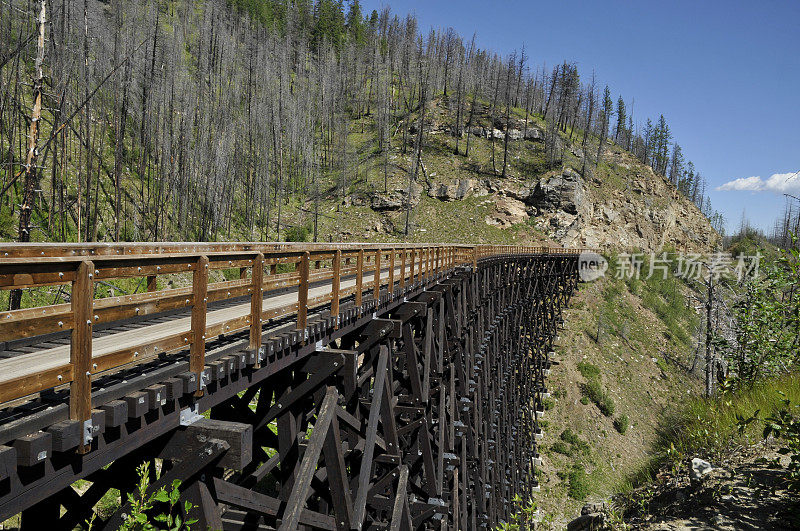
403, 270
256, 301
391, 274
359, 278
197, 358
80, 355
151, 283
377, 287
335, 283
474, 259
428, 255
302, 293
411, 271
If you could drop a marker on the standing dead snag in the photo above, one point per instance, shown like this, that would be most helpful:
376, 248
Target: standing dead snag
31, 172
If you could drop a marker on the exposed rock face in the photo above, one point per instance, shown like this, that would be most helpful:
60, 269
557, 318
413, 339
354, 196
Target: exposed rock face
560, 192
509, 211
452, 192
391, 201
534, 134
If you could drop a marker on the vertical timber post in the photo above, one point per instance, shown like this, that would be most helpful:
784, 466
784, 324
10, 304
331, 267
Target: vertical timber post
390, 292
302, 294
411, 271
377, 286
197, 358
359, 279
80, 389
403, 270
256, 301
335, 284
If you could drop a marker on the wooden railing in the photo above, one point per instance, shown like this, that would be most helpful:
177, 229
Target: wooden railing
262, 267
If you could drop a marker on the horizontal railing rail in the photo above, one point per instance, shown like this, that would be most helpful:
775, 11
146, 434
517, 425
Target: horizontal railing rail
298, 277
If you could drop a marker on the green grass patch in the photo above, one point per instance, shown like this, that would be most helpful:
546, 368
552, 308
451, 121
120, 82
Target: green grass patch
578, 483
588, 370
621, 424
575, 442
560, 447
594, 390
710, 425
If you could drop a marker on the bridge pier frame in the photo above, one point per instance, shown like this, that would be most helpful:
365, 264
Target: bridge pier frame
400, 413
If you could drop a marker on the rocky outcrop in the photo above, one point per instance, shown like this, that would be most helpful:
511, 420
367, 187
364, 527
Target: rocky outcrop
592, 518
390, 201
454, 192
534, 134
559, 192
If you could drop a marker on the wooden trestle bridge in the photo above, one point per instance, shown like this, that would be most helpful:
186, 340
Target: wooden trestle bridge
287, 386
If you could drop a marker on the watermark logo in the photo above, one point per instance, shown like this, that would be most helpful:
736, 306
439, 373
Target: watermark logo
591, 266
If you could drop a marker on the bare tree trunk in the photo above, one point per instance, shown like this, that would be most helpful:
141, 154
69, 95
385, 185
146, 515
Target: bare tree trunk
31, 172
417, 160
710, 364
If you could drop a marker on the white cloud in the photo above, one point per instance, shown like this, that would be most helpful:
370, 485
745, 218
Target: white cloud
779, 183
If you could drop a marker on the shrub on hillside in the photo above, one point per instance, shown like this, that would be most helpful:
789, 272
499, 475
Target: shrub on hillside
588, 370
621, 424
578, 483
560, 448
595, 392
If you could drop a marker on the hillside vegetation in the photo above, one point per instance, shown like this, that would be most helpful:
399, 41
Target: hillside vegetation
276, 120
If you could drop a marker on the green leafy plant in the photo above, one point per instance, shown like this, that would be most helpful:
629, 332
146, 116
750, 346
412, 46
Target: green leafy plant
785, 425
767, 315
141, 503
523, 516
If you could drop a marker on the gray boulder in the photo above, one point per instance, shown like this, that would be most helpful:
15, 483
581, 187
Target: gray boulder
699, 469
588, 522
560, 192
390, 201
534, 134
452, 192
498, 134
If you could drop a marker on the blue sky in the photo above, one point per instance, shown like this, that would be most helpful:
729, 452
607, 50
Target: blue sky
725, 74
